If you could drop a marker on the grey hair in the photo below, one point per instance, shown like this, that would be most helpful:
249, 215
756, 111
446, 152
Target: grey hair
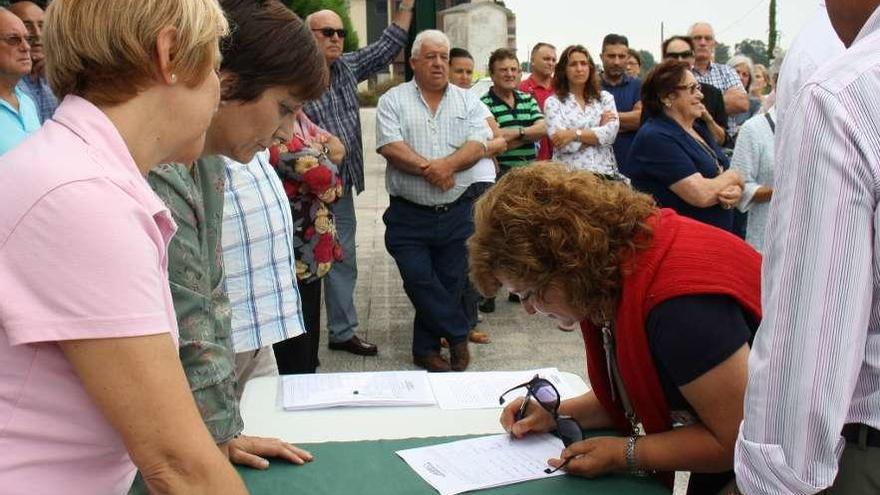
740, 59
701, 23
432, 35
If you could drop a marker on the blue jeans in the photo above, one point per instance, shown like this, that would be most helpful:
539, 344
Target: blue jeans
339, 283
429, 249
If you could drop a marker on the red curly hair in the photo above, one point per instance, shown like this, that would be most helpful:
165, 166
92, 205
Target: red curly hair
549, 226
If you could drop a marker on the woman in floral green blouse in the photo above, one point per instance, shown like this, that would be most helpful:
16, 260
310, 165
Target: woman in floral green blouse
270, 67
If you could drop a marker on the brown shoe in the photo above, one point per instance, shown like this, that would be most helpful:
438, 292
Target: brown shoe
459, 356
432, 362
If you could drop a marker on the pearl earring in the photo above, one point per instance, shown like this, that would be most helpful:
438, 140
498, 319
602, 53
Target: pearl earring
173, 78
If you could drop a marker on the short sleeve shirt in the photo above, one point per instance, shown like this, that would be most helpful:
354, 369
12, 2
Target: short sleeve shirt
663, 154
626, 95
15, 125
403, 116
524, 113
82, 256
720, 76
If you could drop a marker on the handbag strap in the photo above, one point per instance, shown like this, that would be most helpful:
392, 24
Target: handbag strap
770, 121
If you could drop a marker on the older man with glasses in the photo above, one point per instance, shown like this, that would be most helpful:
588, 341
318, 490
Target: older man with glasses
35, 84
338, 112
18, 114
719, 75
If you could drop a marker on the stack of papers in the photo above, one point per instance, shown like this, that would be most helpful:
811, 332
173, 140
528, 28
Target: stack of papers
484, 462
481, 389
383, 388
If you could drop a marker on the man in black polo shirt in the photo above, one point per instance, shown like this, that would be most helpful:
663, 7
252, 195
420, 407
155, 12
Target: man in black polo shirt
517, 113
626, 91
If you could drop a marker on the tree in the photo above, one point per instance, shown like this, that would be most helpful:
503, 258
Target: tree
306, 7
755, 50
648, 61
773, 34
722, 53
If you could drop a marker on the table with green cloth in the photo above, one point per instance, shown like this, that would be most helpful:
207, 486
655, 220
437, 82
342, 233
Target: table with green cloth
372, 467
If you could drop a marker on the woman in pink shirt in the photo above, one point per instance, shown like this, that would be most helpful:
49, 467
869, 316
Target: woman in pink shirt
91, 385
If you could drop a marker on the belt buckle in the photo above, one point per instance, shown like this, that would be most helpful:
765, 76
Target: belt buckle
441, 208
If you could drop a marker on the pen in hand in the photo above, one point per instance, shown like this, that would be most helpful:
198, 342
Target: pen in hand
521, 412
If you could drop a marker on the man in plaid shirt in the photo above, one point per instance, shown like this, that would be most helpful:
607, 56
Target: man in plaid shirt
719, 75
337, 111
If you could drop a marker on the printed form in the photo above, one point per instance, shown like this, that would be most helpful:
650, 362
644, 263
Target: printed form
484, 462
481, 389
381, 388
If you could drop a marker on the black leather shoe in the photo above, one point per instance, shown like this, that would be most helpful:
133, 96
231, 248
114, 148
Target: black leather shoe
459, 356
487, 305
432, 362
513, 298
355, 345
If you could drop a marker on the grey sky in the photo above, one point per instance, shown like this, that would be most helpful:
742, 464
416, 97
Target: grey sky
566, 22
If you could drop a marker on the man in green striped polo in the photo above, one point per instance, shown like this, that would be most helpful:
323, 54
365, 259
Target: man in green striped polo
517, 113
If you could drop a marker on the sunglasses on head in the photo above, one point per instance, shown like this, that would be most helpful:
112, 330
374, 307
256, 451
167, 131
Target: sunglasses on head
547, 395
329, 32
680, 55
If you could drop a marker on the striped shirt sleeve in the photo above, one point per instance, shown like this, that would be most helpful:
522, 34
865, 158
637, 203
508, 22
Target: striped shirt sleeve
808, 367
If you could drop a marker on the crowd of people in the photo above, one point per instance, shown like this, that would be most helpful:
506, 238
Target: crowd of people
211, 154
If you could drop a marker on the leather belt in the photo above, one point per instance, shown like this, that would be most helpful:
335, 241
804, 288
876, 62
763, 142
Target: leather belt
852, 431
431, 208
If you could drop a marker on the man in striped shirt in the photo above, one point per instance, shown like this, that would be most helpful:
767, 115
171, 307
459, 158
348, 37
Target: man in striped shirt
812, 410
517, 113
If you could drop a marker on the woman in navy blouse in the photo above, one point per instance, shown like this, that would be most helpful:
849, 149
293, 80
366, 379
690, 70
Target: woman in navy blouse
674, 157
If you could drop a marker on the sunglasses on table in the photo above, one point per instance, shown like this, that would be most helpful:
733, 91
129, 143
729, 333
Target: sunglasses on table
547, 395
329, 32
17, 39
680, 55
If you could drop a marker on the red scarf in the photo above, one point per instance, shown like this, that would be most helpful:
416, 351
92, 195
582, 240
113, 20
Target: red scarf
685, 257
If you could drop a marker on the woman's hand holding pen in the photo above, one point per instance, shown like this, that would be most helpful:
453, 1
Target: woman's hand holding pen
520, 418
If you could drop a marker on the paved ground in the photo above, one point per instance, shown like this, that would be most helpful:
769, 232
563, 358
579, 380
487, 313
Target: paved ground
518, 340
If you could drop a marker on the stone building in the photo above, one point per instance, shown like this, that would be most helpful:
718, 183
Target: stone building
480, 26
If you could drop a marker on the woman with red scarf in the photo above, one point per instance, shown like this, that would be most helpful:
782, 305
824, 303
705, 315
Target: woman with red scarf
667, 307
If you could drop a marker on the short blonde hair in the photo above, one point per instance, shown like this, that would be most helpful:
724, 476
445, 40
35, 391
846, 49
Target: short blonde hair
104, 51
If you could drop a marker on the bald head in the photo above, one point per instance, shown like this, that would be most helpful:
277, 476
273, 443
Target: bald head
326, 26
704, 41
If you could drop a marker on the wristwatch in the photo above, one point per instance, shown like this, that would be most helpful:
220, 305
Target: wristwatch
578, 133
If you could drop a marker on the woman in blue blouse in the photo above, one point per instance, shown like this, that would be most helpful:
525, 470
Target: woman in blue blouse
674, 157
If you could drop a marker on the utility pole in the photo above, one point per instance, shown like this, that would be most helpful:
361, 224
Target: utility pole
771, 42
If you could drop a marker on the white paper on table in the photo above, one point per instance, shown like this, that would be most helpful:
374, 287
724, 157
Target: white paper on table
481, 389
381, 388
484, 462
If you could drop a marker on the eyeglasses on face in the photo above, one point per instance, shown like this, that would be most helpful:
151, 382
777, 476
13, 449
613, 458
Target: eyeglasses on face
547, 395
17, 39
703, 37
329, 32
691, 88
680, 55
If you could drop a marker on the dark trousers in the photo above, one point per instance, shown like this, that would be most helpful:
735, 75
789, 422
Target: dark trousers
859, 469
429, 249
470, 298
300, 354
